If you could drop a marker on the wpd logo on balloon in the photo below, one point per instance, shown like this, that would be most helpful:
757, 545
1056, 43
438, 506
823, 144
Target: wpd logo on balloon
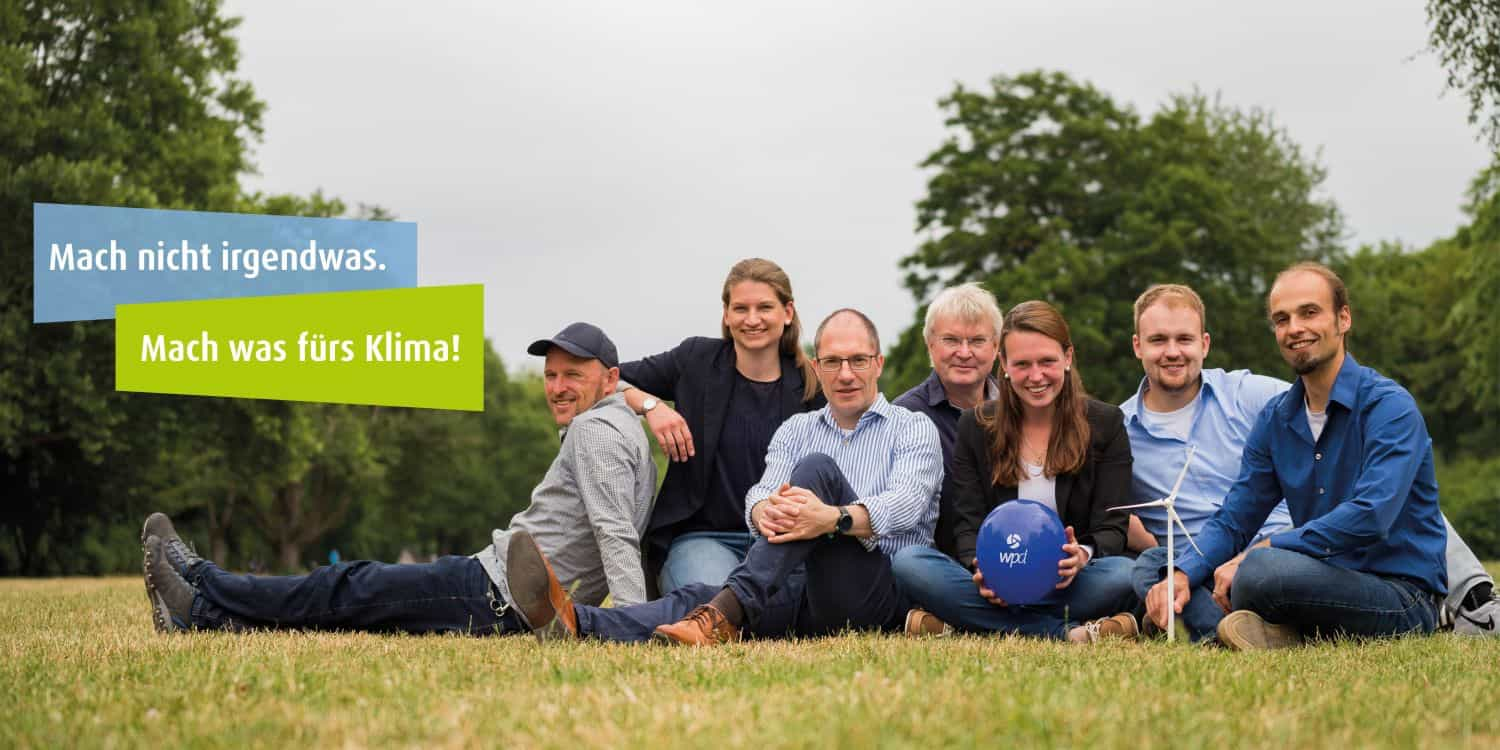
1010, 533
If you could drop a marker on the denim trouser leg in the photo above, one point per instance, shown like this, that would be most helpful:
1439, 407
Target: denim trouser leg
634, 623
1201, 615
943, 587
1290, 588
1101, 589
451, 594
846, 584
703, 557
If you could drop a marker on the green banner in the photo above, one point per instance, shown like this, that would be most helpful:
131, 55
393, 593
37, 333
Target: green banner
421, 347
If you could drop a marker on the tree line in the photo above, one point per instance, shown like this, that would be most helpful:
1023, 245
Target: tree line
1044, 188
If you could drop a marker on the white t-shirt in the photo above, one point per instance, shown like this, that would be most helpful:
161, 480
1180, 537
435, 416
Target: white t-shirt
1178, 423
1038, 486
1316, 421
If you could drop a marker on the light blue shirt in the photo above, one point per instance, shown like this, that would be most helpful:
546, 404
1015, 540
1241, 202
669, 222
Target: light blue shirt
891, 458
1228, 405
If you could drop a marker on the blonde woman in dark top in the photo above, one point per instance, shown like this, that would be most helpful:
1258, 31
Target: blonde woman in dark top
728, 394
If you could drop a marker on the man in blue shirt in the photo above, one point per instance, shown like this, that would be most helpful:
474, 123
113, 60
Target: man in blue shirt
1349, 451
1180, 404
845, 487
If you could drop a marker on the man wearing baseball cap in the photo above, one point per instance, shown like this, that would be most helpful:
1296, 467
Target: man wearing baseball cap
587, 513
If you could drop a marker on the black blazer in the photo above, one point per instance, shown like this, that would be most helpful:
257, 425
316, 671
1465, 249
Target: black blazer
698, 377
1082, 496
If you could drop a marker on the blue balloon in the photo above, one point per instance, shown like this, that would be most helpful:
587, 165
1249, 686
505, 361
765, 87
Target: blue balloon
1020, 545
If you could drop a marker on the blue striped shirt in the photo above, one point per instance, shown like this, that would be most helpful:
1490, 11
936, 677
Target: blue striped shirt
891, 458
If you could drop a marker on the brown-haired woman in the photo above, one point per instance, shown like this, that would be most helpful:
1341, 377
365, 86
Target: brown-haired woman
1044, 439
730, 394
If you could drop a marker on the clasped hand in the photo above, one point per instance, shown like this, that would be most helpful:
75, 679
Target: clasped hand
793, 514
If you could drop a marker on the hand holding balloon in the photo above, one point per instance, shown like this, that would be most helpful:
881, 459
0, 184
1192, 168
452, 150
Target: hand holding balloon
1075, 557
985, 592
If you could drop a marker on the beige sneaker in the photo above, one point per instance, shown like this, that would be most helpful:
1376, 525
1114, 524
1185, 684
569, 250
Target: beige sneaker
1121, 626
1243, 630
920, 622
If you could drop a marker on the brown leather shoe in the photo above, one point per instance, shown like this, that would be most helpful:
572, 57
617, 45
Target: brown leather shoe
535, 590
920, 622
1243, 630
704, 626
1122, 626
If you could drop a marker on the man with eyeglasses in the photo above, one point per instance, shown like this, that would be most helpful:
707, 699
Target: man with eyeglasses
962, 331
845, 487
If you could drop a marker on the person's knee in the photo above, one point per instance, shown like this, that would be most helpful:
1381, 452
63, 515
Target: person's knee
1147, 569
1261, 577
1117, 565
913, 567
812, 469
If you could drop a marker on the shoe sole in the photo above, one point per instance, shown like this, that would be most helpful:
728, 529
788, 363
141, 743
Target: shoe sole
539, 612
161, 616
1243, 630
662, 639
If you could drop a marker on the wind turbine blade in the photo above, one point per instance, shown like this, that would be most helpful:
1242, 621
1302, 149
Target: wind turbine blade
1152, 504
1181, 474
1178, 519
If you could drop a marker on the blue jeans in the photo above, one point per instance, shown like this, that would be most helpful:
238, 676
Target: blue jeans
946, 589
451, 594
703, 557
1322, 599
1201, 615
812, 587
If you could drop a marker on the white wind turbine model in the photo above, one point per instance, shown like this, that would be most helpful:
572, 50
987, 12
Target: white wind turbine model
1172, 518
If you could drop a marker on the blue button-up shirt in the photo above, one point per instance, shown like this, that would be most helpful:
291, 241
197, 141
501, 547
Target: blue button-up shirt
1228, 405
1363, 495
891, 459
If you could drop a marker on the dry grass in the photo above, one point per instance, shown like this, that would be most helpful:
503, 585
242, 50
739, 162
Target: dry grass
80, 666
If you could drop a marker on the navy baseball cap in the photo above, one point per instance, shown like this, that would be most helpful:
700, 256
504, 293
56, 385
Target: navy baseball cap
579, 340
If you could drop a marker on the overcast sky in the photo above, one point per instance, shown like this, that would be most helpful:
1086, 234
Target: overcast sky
608, 161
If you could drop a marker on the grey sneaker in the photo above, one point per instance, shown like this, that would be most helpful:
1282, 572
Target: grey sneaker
170, 594
181, 556
1482, 620
1243, 630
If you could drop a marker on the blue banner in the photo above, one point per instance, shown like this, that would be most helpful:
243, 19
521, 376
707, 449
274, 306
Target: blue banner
90, 258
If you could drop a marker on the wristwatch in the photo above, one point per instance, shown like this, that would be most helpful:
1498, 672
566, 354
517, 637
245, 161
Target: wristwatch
649, 404
844, 524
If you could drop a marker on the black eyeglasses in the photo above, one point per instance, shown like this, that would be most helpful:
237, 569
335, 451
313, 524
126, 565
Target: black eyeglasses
857, 362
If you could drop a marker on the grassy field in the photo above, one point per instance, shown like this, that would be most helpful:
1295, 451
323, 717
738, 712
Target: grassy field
80, 666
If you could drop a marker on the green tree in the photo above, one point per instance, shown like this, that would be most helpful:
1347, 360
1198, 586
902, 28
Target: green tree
1465, 35
1401, 301
106, 103
1047, 189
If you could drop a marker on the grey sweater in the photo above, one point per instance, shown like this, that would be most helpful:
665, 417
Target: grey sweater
590, 509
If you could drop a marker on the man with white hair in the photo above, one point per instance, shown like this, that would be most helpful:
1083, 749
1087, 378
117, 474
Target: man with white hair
962, 332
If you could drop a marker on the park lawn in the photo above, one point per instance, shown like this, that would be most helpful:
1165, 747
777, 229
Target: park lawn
81, 666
